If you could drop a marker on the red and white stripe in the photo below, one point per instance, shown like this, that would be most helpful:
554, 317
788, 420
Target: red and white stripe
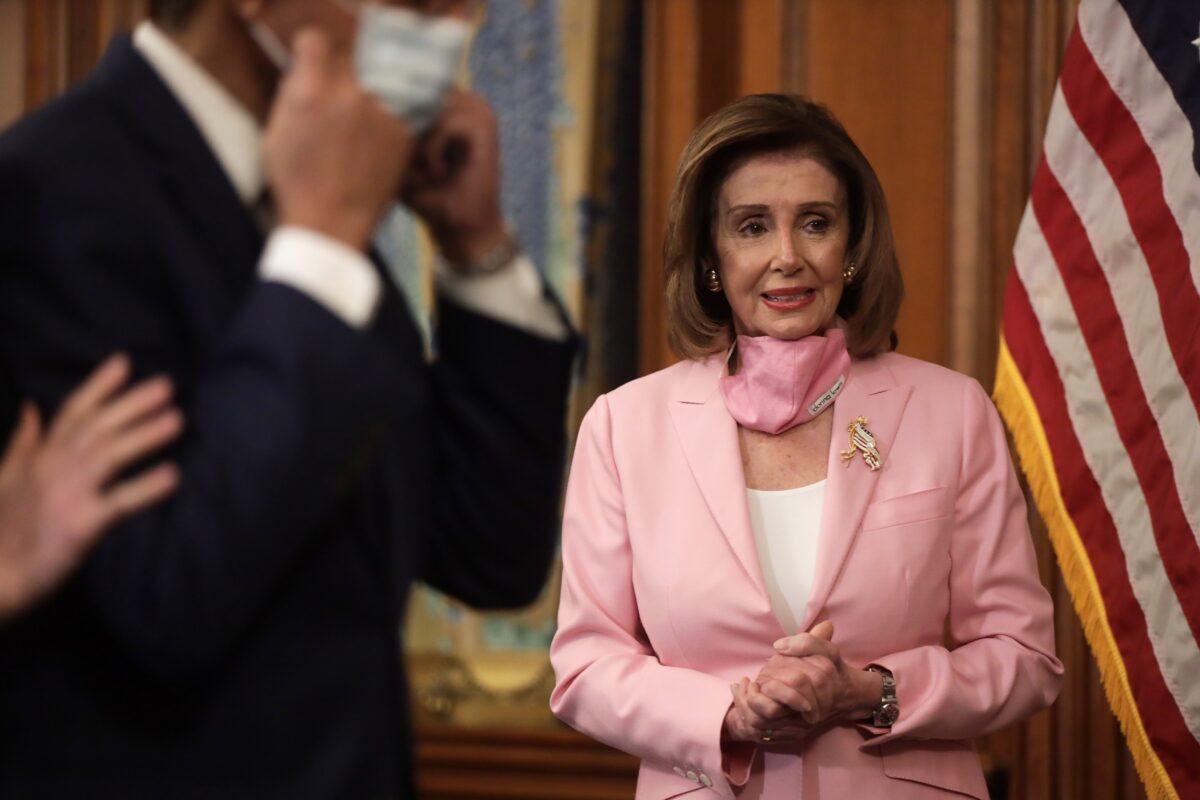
1112, 42
1096, 200
1170, 635
1108, 259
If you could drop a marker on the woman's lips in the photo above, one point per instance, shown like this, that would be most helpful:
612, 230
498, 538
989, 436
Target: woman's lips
788, 299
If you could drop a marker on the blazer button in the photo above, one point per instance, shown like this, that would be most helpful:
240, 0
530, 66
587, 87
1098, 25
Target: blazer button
679, 771
707, 781
691, 776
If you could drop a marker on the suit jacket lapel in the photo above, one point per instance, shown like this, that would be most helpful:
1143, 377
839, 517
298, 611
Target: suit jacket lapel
710, 441
871, 392
182, 160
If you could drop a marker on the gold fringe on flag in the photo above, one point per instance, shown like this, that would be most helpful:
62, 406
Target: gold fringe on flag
1033, 450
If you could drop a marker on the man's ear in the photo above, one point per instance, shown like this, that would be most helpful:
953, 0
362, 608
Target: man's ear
247, 10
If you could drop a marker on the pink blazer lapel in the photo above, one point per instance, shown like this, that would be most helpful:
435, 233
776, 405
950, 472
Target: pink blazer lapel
873, 393
710, 442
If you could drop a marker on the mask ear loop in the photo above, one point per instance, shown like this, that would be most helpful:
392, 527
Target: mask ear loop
730, 356
479, 17
274, 49
271, 46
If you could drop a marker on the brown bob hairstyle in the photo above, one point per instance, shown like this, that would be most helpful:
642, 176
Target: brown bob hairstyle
699, 322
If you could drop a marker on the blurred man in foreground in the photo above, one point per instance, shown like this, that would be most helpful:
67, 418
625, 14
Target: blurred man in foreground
205, 201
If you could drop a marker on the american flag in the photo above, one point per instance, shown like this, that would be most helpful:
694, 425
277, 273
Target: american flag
1099, 370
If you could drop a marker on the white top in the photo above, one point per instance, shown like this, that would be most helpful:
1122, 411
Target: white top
339, 277
787, 527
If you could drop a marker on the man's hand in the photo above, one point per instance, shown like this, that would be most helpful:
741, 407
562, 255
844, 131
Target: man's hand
334, 157
454, 184
57, 493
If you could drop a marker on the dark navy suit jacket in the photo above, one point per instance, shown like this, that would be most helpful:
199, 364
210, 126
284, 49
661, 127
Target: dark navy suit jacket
242, 639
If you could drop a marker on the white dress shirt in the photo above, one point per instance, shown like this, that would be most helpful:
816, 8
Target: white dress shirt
787, 528
335, 275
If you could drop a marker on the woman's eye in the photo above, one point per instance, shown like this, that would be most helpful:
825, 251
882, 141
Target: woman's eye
752, 228
817, 225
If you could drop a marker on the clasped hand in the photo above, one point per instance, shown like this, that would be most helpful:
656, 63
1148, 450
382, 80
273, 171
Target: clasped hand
805, 684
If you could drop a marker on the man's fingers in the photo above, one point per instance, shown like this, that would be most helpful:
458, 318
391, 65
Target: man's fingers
23, 442
142, 400
462, 128
137, 442
317, 64
433, 169
99, 386
137, 493
320, 56
311, 53
445, 150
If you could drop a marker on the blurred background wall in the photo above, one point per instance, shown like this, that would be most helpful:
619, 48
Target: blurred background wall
946, 97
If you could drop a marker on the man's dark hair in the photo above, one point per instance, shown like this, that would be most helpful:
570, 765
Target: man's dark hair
172, 13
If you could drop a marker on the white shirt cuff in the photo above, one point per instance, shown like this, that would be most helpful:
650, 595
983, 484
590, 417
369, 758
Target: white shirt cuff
335, 275
513, 295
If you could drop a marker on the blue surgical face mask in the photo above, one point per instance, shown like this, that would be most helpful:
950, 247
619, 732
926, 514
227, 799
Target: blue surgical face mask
409, 61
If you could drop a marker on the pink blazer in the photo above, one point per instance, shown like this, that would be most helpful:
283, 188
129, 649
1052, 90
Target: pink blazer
925, 567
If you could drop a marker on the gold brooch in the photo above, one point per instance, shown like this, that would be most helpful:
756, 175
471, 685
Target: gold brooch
862, 441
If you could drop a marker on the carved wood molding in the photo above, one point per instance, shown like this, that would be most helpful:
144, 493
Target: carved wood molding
456, 763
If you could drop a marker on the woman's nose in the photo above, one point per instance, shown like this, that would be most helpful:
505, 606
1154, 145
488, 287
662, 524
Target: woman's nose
786, 258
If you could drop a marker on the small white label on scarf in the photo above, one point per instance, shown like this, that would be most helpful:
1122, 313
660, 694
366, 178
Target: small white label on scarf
827, 398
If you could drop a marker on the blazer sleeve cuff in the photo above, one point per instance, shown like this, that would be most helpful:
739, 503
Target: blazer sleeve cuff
737, 760
915, 693
716, 767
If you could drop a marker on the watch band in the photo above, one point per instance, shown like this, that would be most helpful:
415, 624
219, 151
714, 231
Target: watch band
493, 260
888, 710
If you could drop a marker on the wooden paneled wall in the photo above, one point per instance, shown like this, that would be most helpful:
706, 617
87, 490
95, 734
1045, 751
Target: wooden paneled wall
12, 60
63, 39
885, 71
948, 99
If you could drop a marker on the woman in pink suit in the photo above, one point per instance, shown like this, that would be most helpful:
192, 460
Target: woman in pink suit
795, 564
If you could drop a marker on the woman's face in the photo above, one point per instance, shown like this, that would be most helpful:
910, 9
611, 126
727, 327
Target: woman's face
780, 233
